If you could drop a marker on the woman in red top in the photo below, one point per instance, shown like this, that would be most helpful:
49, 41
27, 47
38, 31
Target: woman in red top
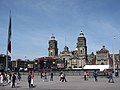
32, 78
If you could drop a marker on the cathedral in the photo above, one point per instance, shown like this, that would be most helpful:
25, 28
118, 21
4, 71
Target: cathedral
75, 59
79, 57
72, 59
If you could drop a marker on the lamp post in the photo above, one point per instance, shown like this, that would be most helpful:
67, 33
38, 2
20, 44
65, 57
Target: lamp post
113, 55
24, 65
36, 66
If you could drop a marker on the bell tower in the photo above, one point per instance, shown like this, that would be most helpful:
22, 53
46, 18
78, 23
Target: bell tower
81, 44
81, 47
52, 49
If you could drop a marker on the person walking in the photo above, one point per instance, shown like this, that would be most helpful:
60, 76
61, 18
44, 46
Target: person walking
32, 79
1, 79
111, 76
19, 76
13, 80
29, 80
51, 77
85, 75
61, 76
41, 75
64, 77
45, 77
9, 78
95, 74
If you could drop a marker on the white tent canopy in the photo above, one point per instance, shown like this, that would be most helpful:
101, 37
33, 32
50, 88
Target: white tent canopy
100, 67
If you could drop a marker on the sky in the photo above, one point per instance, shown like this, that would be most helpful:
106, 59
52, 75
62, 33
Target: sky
34, 21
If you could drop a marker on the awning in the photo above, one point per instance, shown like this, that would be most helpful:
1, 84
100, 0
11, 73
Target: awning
100, 67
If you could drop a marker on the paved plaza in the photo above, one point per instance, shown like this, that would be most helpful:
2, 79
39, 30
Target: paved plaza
73, 83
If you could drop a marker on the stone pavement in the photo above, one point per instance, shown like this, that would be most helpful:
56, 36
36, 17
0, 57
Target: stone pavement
73, 83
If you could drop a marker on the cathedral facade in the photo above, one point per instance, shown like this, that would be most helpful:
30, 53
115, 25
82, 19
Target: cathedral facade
78, 58
72, 59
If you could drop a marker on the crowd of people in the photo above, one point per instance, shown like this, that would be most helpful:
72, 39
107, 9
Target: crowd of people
10, 78
110, 75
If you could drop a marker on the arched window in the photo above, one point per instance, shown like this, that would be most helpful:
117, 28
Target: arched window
51, 53
80, 51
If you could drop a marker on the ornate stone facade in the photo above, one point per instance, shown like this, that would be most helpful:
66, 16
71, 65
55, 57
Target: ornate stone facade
78, 57
65, 56
102, 57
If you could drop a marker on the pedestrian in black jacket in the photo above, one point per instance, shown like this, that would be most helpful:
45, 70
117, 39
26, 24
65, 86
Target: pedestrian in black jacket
13, 80
29, 80
95, 74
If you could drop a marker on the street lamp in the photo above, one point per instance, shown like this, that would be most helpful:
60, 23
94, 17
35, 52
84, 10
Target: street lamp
44, 64
53, 62
113, 55
36, 66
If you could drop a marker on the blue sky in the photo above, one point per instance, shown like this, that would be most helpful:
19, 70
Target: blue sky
34, 21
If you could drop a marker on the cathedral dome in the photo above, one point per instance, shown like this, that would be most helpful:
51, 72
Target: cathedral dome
103, 50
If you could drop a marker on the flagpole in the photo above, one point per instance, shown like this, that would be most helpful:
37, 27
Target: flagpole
6, 67
8, 42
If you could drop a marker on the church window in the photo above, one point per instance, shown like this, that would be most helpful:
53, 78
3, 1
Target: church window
51, 53
80, 51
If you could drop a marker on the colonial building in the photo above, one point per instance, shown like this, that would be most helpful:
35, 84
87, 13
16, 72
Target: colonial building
103, 57
3, 62
117, 59
20, 64
65, 57
45, 63
17, 64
